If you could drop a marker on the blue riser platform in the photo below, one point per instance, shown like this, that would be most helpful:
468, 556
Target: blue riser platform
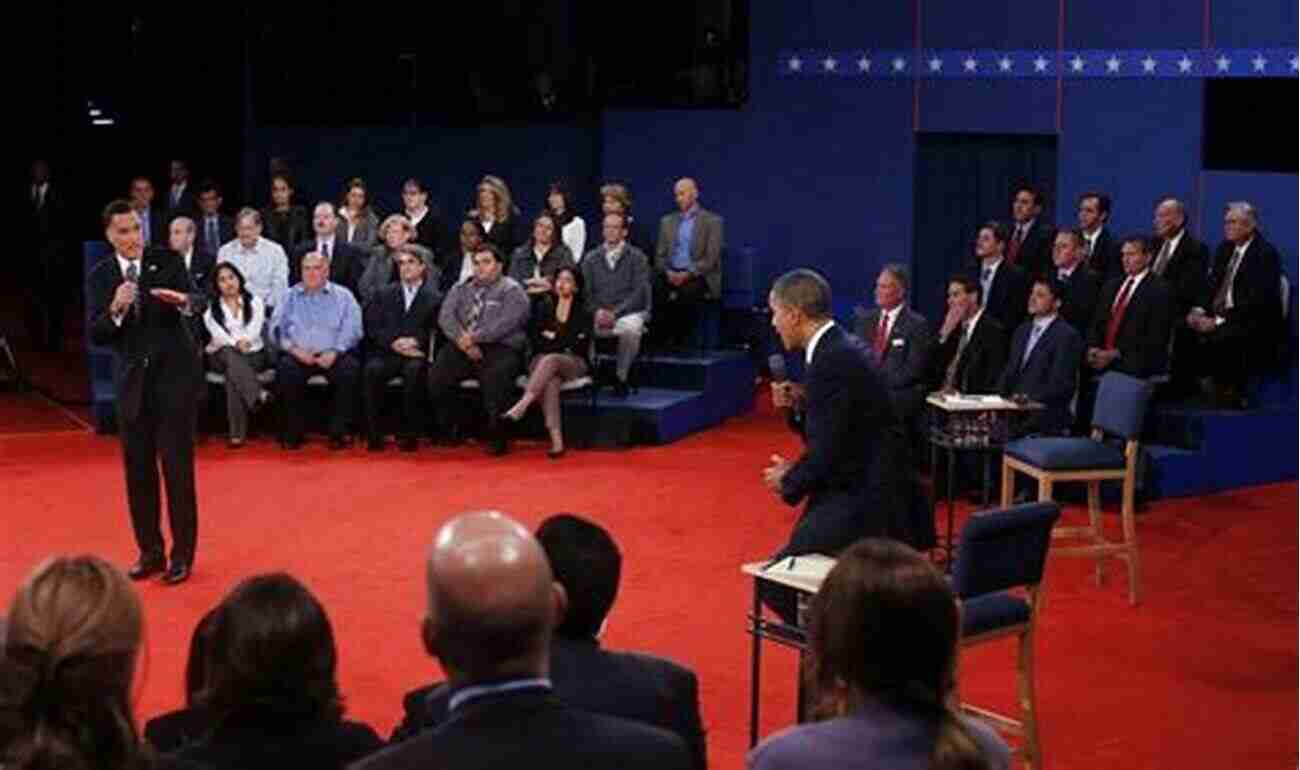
650, 415
1197, 451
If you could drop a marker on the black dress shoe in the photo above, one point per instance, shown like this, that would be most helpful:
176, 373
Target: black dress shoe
145, 568
408, 444
555, 454
375, 444
340, 442
179, 572
291, 443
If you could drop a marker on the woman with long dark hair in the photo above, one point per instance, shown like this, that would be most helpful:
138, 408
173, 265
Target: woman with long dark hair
360, 225
284, 221
573, 230
883, 632
234, 319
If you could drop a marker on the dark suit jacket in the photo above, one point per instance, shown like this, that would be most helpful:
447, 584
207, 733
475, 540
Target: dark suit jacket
532, 728
507, 236
855, 470
42, 258
186, 206
173, 731
1080, 302
1035, 255
706, 247
1256, 314
157, 338
1186, 274
1143, 336
641, 688
981, 363
1008, 299
201, 267
1050, 375
906, 363
225, 229
288, 228
158, 224
262, 746
347, 263
1106, 260
387, 318
573, 337
432, 233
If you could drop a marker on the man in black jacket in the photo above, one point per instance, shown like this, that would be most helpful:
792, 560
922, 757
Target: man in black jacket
1029, 244
214, 228
1080, 283
1044, 361
347, 262
138, 302
493, 608
900, 338
642, 688
1004, 287
972, 346
1184, 264
1099, 249
399, 324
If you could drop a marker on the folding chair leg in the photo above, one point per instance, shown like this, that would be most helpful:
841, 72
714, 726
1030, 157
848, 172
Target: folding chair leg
1130, 540
1028, 701
1044, 490
1008, 481
1094, 519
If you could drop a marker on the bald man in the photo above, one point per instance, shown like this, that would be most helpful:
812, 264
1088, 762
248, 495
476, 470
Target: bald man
688, 264
493, 607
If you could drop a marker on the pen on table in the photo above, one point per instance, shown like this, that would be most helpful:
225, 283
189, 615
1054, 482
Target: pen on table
790, 566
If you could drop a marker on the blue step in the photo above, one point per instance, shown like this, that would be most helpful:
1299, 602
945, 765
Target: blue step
1194, 451
649, 415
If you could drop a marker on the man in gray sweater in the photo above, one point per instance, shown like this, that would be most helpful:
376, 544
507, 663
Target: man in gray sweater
616, 275
484, 323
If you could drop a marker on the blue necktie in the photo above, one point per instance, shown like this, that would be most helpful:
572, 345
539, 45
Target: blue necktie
213, 239
1034, 334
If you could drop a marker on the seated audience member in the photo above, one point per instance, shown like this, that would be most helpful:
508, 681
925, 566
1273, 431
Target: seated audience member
360, 222
71, 644
215, 229
1003, 285
180, 196
883, 634
1044, 362
170, 732
261, 261
153, 224
1099, 250
561, 344
485, 323
643, 688
459, 268
496, 212
615, 198
972, 347
1029, 244
493, 607
381, 269
533, 265
1080, 283
429, 230
399, 324
688, 264
1184, 264
271, 685
347, 262
1242, 329
284, 221
573, 230
199, 263
234, 320
616, 280
319, 327
900, 338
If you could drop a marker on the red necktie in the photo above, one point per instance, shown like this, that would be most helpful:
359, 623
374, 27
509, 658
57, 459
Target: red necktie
1117, 313
882, 336
1013, 250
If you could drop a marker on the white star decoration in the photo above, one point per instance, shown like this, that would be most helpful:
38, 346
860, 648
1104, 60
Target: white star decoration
1005, 64
829, 64
1184, 64
970, 65
1040, 64
1223, 63
899, 64
864, 64
1112, 64
1148, 64
796, 64
1295, 64
1076, 63
1259, 62
936, 64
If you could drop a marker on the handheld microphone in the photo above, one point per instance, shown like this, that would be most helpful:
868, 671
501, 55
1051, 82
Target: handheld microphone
776, 365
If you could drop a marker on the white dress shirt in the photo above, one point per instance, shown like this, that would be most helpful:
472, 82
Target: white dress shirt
416, 219
812, 342
574, 236
466, 268
891, 317
265, 268
235, 329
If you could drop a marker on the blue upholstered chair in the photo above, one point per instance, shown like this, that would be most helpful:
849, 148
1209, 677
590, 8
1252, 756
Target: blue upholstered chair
996, 576
1120, 412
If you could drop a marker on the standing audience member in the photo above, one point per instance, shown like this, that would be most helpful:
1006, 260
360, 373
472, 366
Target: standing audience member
493, 608
900, 340
1080, 283
71, 646
485, 322
688, 264
234, 320
347, 262
496, 212
286, 222
430, 232
616, 279
1099, 249
360, 222
573, 230
972, 347
561, 344
615, 198
534, 264
1184, 263
399, 324
42, 271
883, 635
261, 261
1003, 285
180, 197
1241, 330
271, 688
215, 229
319, 327
1044, 361
382, 269
153, 225
1030, 244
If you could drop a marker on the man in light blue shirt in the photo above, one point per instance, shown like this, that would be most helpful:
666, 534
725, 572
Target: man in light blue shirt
688, 265
318, 326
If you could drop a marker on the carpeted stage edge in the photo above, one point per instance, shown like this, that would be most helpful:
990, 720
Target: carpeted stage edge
1202, 675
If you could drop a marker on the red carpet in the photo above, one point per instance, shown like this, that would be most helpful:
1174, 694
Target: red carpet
1203, 675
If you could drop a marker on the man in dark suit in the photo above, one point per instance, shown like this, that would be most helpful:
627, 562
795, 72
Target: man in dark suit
399, 324
971, 350
1030, 244
1080, 283
493, 609
1131, 328
215, 229
687, 265
180, 197
198, 264
1184, 264
42, 264
855, 472
1044, 361
900, 340
642, 688
1100, 250
347, 262
1241, 330
1003, 286
138, 299
153, 225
